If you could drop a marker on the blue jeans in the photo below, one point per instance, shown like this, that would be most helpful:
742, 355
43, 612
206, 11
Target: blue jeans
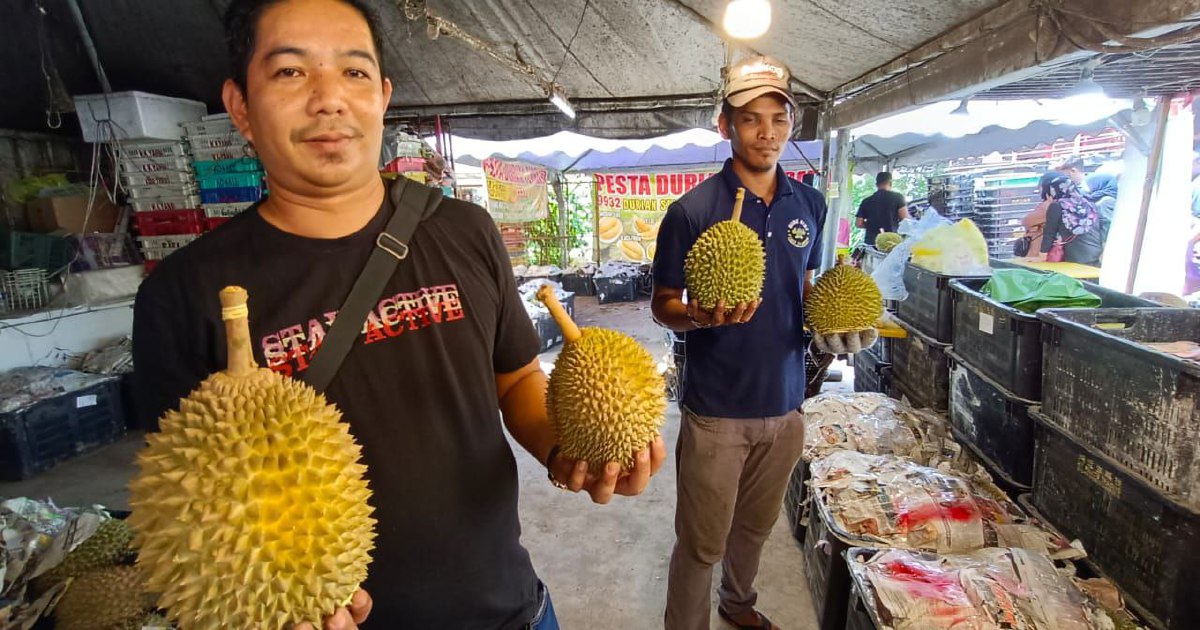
545, 618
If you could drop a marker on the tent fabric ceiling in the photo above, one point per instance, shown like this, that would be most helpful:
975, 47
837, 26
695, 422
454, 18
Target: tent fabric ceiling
626, 51
654, 157
911, 149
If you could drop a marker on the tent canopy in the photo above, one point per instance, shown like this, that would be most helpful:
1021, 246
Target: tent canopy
654, 157
636, 68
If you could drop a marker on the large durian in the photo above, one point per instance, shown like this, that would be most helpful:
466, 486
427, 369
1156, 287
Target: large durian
112, 598
250, 505
109, 545
727, 263
843, 300
606, 399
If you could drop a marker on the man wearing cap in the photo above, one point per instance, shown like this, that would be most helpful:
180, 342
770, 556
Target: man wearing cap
743, 384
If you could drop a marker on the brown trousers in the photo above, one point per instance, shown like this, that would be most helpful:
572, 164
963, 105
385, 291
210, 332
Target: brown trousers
732, 475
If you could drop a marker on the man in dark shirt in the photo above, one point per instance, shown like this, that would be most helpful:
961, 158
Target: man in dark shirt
744, 379
447, 349
882, 211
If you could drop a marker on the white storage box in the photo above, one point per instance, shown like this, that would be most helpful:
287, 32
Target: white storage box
164, 190
131, 150
160, 178
225, 210
215, 124
189, 202
135, 116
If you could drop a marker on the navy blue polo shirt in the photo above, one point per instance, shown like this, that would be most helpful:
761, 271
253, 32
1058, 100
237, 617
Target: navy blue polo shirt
752, 370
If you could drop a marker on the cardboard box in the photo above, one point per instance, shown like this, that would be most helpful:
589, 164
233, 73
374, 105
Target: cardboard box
51, 214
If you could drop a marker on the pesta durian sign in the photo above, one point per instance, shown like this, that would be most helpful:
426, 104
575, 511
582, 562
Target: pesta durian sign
630, 207
516, 192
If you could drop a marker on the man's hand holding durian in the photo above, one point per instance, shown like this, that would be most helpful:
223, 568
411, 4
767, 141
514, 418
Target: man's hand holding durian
613, 479
721, 315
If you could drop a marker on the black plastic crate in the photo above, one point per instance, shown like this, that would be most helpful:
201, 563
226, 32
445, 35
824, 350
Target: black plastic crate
930, 304
921, 370
826, 572
871, 372
1147, 544
995, 424
34, 439
1004, 343
609, 290
578, 284
857, 616
795, 501
1136, 405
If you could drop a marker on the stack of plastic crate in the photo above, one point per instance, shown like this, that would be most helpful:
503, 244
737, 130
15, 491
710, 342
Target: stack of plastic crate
954, 195
1001, 202
229, 178
163, 193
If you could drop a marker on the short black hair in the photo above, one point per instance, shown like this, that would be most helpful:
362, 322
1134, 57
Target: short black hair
241, 33
883, 178
1073, 162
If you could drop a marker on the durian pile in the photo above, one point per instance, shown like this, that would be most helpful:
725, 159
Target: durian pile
103, 591
606, 399
843, 300
250, 507
727, 263
887, 241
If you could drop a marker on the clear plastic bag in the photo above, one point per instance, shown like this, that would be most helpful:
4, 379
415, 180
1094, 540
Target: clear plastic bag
889, 274
953, 250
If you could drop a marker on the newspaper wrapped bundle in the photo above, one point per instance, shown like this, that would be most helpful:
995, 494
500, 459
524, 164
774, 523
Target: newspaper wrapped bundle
877, 425
885, 500
988, 589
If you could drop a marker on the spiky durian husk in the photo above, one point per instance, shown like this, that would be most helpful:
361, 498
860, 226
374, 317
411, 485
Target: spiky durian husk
250, 506
726, 263
107, 546
887, 241
104, 599
606, 398
844, 299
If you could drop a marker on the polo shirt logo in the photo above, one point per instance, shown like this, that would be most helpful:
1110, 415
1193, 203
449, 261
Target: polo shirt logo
798, 233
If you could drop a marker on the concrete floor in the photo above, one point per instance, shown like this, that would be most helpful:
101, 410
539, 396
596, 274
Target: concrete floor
606, 566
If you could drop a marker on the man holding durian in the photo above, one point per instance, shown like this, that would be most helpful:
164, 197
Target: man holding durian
744, 245
445, 352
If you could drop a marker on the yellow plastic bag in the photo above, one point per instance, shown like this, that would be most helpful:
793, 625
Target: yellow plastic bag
954, 250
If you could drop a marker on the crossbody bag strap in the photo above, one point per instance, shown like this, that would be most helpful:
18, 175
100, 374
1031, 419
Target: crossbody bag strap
411, 201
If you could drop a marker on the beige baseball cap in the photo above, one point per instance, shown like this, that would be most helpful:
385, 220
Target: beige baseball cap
751, 78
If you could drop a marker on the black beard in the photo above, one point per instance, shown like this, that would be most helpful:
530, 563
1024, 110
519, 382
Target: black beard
750, 166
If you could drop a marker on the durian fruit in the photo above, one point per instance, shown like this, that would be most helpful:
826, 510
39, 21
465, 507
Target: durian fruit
843, 300
250, 505
606, 399
633, 251
109, 545
726, 263
111, 598
887, 241
610, 229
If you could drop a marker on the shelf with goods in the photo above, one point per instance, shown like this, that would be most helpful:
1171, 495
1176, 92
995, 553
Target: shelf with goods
229, 178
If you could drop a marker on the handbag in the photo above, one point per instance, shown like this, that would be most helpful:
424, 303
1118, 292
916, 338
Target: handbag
1058, 251
1021, 246
411, 201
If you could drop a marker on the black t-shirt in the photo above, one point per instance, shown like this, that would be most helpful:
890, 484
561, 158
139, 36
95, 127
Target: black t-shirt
881, 213
418, 390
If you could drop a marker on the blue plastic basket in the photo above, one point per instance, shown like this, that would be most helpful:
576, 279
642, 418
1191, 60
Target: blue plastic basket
215, 167
237, 194
230, 180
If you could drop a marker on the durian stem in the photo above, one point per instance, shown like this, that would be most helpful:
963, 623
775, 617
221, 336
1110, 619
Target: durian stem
737, 204
571, 332
237, 331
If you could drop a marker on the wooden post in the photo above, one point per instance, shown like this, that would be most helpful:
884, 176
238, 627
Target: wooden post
1153, 166
564, 226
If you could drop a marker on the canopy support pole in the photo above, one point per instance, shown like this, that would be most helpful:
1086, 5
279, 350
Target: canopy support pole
1153, 167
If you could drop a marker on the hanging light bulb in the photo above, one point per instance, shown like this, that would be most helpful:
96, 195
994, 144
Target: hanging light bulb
1087, 78
962, 109
1141, 114
560, 101
747, 19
